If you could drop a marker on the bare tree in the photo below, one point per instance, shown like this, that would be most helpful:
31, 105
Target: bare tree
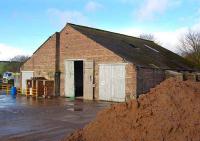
147, 37
150, 37
19, 58
190, 46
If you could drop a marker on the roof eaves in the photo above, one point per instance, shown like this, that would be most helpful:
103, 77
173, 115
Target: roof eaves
44, 42
71, 24
25, 62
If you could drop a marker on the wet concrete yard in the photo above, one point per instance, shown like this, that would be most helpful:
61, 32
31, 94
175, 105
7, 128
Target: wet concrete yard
23, 119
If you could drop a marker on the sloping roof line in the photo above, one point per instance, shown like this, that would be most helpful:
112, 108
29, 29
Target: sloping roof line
38, 48
101, 30
44, 42
133, 49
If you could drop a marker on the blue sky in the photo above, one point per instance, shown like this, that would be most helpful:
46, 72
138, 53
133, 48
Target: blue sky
26, 24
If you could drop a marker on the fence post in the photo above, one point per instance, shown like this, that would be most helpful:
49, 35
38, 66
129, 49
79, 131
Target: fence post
36, 93
7, 89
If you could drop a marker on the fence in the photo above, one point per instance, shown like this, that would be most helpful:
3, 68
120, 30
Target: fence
32, 92
6, 88
35, 88
19, 91
27, 92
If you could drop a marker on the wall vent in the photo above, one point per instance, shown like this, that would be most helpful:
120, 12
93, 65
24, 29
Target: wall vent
133, 46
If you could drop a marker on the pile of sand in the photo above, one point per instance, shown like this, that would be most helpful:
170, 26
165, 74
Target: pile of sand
170, 112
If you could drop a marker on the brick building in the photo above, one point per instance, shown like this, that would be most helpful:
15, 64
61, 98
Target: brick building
98, 64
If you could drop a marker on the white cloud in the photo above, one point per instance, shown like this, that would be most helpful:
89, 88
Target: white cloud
7, 52
60, 18
170, 39
92, 6
151, 7
196, 26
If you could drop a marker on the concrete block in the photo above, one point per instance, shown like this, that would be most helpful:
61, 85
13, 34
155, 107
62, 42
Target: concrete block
189, 76
170, 73
198, 77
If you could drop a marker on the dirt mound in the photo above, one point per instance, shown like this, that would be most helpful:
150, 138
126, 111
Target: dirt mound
170, 112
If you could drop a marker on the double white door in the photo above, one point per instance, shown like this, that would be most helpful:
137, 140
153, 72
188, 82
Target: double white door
112, 82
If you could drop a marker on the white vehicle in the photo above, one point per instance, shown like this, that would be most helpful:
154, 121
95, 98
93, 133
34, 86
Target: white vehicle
7, 76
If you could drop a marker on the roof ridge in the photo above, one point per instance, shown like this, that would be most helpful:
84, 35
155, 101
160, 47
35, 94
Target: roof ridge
108, 31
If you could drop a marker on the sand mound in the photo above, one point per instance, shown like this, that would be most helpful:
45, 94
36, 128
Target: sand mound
170, 112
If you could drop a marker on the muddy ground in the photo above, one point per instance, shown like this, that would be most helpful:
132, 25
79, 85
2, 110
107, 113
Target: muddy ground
169, 112
23, 119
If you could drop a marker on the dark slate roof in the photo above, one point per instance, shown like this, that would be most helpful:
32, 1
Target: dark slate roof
141, 52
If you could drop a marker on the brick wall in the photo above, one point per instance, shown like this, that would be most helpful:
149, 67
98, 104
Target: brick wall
74, 45
42, 62
131, 82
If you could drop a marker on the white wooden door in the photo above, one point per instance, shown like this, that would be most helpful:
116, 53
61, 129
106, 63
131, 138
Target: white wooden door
88, 80
105, 91
112, 82
25, 76
118, 84
69, 79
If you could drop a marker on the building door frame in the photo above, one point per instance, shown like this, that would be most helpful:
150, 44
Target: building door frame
23, 80
88, 77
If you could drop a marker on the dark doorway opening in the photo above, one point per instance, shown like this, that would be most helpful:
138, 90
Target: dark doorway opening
78, 78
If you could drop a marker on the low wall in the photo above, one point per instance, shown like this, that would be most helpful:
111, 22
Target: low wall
148, 78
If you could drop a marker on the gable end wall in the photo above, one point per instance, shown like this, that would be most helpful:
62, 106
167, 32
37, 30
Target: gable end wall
75, 45
42, 62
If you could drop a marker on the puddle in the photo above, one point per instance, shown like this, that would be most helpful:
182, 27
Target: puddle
7, 100
75, 109
28, 117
